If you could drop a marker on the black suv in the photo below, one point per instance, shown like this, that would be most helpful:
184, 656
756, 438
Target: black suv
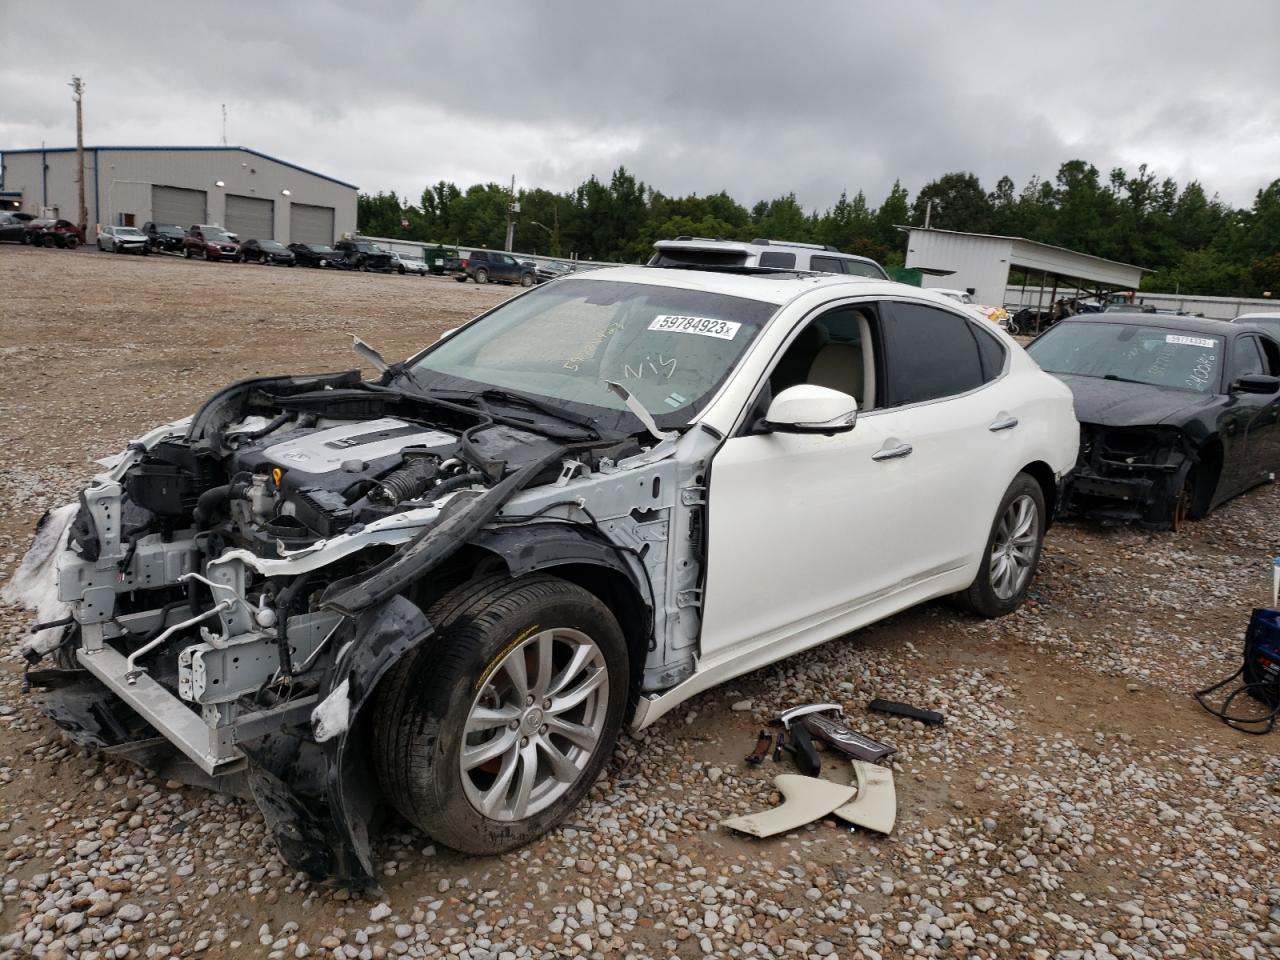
483, 266
365, 255
164, 237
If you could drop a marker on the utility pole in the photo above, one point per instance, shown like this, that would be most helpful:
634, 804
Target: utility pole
512, 208
224, 124
928, 210
77, 87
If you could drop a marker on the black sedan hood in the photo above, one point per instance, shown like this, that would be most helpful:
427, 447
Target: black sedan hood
1115, 403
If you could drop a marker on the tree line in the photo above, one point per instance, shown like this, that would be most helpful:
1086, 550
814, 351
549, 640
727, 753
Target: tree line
1195, 243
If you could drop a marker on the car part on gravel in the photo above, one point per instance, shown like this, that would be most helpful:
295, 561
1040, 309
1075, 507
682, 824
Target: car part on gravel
813, 719
804, 799
1259, 675
876, 805
931, 717
761, 750
799, 744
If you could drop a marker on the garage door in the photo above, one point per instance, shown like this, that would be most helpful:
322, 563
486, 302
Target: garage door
310, 224
176, 205
251, 217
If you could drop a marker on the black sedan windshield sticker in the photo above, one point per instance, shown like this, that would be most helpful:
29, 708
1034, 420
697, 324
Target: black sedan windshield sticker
702, 326
1190, 341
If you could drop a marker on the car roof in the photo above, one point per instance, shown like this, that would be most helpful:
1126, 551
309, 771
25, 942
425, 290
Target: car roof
755, 246
773, 287
1167, 320
1246, 317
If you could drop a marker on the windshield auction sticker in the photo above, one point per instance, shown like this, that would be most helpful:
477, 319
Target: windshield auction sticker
1190, 341
702, 326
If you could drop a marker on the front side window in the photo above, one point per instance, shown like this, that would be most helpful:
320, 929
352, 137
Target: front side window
1246, 358
1159, 356
930, 354
670, 347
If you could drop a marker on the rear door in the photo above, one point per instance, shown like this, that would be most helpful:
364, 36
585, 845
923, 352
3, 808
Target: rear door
945, 378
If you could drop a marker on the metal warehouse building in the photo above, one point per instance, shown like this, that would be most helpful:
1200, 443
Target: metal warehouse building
980, 263
249, 193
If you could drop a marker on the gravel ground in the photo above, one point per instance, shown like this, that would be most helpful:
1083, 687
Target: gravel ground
1077, 803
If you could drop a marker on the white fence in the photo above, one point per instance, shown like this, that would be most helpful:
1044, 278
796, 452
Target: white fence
416, 249
1216, 308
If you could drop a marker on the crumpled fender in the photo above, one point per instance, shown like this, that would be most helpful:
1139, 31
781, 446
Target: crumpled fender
339, 851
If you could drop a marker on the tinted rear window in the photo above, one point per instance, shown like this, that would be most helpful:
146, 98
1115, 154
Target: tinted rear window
931, 354
699, 258
774, 258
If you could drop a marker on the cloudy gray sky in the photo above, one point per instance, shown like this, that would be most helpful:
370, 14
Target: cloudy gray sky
755, 98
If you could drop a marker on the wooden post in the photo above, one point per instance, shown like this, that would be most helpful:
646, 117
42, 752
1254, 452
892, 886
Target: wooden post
77, 86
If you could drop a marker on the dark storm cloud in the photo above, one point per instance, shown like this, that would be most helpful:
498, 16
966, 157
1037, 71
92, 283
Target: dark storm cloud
758, 99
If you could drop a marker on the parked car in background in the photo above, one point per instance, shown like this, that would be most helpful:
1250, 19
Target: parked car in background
550, 269
211, 242
47, 232
319, 255
1177, 414
364, 255
996, 315
12, 230
1265, 321
766, 254
123, 240
267, 251
164, 237
427, 584
484, 266
406, 263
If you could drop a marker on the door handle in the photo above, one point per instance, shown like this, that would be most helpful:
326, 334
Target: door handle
1004, 423
892, 453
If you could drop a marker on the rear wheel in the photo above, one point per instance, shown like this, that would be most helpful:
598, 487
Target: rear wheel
49, 241
1012, 551
494, 731
72, 242
482, 276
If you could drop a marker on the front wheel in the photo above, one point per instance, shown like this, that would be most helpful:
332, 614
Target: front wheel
492, 733
48, 241
526, 280
1012, 551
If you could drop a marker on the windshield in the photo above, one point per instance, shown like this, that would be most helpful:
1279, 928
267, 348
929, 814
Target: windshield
321, 248
128, 232
671, 348
168, 228
1185, 360
215, 233
274, 245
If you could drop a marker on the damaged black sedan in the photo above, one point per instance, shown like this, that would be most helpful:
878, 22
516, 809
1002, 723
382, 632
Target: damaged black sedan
1177, 414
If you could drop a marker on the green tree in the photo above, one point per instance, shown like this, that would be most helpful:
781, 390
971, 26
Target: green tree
958, 203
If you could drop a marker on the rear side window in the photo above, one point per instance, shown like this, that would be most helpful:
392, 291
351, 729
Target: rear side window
861, 268
990, 353
930, 354
825, 264
774, 258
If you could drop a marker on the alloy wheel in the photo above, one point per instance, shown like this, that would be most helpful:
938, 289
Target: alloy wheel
1013, 549
535, 724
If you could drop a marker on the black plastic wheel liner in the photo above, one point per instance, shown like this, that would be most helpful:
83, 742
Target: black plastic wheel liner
378, 639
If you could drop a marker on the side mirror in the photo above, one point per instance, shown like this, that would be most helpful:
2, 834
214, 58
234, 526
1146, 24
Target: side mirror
1257, 383
806, 408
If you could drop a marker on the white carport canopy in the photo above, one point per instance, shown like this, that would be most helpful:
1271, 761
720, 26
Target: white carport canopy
982, 261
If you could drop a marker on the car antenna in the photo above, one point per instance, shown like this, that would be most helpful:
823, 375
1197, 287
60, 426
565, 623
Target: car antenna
643, 415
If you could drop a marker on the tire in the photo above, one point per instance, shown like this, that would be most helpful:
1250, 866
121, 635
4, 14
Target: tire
402, 270
992, 594
1202, 481
526, 280
71, 243
482, 276
48, 241
461, 279
483, 629
115, 248
186, 252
